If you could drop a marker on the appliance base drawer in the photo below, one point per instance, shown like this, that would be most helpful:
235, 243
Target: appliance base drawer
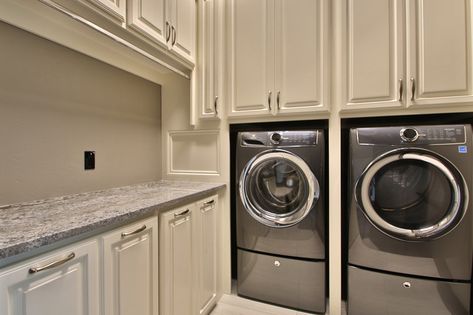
288, 282
374, 293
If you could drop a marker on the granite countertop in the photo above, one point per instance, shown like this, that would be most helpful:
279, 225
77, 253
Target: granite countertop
27, 226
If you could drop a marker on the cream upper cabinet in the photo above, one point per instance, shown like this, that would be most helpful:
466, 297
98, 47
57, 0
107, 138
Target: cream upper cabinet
63, 282
148, 18
182, 20
300, 57
250, 56
441, 62
400, 53
276, 56
130, 272
209, 64
171, 23
176, 264
373, 46
205, 260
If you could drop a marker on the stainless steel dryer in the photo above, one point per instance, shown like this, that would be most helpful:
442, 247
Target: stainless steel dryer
280, 217
410, 222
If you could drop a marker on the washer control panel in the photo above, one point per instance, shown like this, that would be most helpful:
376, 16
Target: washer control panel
441, 134
280, 138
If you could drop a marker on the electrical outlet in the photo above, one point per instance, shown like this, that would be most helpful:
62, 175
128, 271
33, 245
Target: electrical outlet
89, 160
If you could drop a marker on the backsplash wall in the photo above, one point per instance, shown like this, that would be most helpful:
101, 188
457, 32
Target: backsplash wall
55, 104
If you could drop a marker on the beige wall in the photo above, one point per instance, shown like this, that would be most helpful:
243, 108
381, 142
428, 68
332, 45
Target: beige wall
56, 103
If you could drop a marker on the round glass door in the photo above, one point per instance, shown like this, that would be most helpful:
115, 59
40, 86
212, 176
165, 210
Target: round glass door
412, 194
278, 188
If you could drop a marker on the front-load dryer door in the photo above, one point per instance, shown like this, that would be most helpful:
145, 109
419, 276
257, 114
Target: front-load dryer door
278, 188
412, 194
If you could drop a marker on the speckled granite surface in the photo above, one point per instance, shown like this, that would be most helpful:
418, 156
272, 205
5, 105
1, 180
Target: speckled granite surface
27, 226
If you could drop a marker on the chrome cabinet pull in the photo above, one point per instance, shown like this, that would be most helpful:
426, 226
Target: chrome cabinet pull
173, 35
215, 105
413, 88
210, 202
53, 264
180, 214
269, 100
401, 89
277, 99
168, 33
207, 206
141, 229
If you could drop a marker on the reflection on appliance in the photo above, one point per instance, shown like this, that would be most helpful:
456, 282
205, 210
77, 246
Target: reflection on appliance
410, 223
280, 218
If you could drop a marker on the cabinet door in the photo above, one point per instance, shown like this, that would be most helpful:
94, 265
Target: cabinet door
115, 8
250, 41
300, 55
205, 259
176, 262
441, 51
68, 286
209, 62
148, 18
183, 28
373, 60
130, 268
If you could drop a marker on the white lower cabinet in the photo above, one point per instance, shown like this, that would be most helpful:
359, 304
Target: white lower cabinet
176, 268
205, 244
63, 282
67, 281
130, 273
188, 259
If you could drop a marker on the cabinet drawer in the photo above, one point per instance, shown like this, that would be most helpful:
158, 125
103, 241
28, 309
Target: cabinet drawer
374, 293
289, 282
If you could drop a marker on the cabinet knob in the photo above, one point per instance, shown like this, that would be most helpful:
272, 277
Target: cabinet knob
401, 90
277, 100
173, 35
413, 89
53, 264
269, 100
168, 32
181, 214
138, 230
215, 105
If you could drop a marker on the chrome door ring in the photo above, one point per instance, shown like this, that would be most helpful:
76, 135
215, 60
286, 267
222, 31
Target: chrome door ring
265, 217
454, 216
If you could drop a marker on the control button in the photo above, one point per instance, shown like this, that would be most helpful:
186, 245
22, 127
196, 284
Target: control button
275, 138
409, 134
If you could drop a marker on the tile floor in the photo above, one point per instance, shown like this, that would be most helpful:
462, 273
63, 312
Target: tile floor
234, 305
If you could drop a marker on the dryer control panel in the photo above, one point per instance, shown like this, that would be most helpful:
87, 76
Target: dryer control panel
418, 135
280, 138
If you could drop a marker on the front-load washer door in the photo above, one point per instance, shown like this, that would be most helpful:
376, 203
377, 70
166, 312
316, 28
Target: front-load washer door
278, 188
412, 194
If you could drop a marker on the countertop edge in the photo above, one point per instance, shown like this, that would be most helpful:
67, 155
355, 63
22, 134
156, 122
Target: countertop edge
9, 252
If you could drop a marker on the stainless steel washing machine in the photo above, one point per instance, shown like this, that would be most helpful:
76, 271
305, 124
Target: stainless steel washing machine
410, 222
280, 217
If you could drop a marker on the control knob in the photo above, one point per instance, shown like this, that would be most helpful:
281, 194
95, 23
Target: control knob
275, 138
409, 134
